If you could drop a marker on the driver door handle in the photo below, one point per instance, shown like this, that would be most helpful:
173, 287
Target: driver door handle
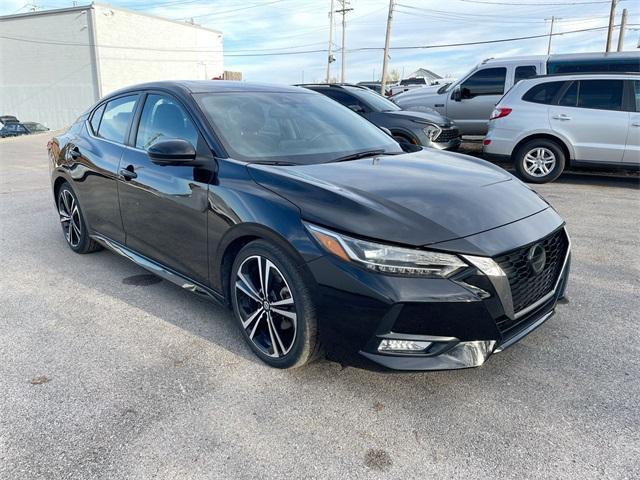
562, 116
128, 173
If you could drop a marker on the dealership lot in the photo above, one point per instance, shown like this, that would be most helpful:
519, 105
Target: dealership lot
106, 374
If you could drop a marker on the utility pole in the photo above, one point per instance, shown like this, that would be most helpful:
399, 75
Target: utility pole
623, 27
553, 19
612, 17
330, 58
343, 11
385, 60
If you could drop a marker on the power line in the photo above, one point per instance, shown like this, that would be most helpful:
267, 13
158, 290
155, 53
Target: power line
535, 4
361, 49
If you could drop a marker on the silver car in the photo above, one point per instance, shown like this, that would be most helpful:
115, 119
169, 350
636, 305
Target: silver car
545, 123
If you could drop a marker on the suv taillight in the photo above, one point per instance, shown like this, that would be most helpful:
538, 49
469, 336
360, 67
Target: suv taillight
500, 112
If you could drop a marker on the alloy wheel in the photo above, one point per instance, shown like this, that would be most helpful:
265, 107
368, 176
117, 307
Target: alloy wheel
70, 217
266, 306
539, 162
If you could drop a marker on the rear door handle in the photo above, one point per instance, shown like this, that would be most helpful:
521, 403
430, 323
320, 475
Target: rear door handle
562, 116
128, 173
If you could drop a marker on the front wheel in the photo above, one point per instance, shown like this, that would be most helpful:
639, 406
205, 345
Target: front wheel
273, 306
539, 161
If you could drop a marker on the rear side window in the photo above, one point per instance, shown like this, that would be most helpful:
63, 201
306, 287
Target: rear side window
543, 93
116, 118
523, 72
601, 94
96, 117
570, 97
636, 85
489, 81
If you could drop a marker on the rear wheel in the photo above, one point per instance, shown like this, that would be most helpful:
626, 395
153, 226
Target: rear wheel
74, 226
273, 306
539, 161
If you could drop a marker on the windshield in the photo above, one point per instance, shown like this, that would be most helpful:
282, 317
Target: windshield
376, 101
297, 128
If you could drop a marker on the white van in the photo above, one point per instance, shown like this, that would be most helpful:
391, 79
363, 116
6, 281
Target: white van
470, 100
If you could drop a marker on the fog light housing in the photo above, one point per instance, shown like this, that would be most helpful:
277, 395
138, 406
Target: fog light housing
403, 346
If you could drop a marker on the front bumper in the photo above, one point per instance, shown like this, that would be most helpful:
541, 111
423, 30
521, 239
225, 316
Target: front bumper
463, 323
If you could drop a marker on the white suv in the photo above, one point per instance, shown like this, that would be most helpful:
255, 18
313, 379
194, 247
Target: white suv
545, 123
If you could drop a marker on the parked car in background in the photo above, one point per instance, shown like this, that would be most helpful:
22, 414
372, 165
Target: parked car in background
15, 129
4, 119
311, 224
429, 129
470, 101
374, 86
546, 123
408, 84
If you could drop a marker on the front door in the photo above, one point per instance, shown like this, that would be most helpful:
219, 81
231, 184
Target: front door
632, 150
590, 115
479, 94
164, 207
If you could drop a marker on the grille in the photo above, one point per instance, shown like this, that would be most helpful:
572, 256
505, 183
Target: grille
527, 287
447, 134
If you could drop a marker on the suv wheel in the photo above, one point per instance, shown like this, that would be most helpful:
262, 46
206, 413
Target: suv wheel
539, 161
273, 306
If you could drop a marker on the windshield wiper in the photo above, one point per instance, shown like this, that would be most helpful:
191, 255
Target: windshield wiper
274, 162
357, 155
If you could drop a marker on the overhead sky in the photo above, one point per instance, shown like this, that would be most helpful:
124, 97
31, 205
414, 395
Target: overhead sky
286, 26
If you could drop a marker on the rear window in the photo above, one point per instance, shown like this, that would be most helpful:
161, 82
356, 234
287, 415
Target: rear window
543, 92
523, 72
116, 117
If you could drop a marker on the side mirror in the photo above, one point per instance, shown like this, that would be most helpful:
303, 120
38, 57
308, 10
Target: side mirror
456, 95
387, 131
356, 108
173, 150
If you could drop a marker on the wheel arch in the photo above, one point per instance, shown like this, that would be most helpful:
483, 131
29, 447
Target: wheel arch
401, 132
234, 241
563, 143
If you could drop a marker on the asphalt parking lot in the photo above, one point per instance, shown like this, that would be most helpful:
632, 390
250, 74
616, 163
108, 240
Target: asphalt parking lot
104, 375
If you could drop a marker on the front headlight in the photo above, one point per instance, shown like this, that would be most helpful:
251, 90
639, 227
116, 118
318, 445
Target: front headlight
387, 259
432, 131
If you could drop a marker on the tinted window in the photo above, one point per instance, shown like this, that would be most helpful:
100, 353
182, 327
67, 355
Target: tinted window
637, 88
600, 94
489, 81
595, 65
341, 97
543, 92
116, 117
523, 72
163, 118
300, 128
570, 97
376, 101
413, 81
95, 118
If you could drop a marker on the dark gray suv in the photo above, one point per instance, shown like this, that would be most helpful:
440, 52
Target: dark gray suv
429, 129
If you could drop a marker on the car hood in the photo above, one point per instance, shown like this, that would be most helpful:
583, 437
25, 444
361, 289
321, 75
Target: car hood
430, 116
413, 199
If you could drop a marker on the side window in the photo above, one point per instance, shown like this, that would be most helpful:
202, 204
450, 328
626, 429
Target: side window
601, 94
636, 85
489, 81
116, 117
96, 117
343, 98
543, 92
570, 97
524, 71
162, 118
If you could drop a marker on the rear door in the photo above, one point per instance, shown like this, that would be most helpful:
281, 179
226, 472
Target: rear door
591, 116
479, 94
164, 207
632, 150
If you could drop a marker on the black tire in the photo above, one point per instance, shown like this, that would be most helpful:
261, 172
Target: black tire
524, 156
72, 220
286, 282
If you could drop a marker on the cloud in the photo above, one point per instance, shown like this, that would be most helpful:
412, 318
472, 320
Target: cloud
294, 25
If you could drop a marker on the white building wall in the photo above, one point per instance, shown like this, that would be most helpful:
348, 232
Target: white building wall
157, 49
43, 76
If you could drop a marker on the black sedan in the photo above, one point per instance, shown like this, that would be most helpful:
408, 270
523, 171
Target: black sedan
15, 129
312, 224
429, 129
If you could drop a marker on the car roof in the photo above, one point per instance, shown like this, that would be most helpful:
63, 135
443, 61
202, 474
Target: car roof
208, 86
